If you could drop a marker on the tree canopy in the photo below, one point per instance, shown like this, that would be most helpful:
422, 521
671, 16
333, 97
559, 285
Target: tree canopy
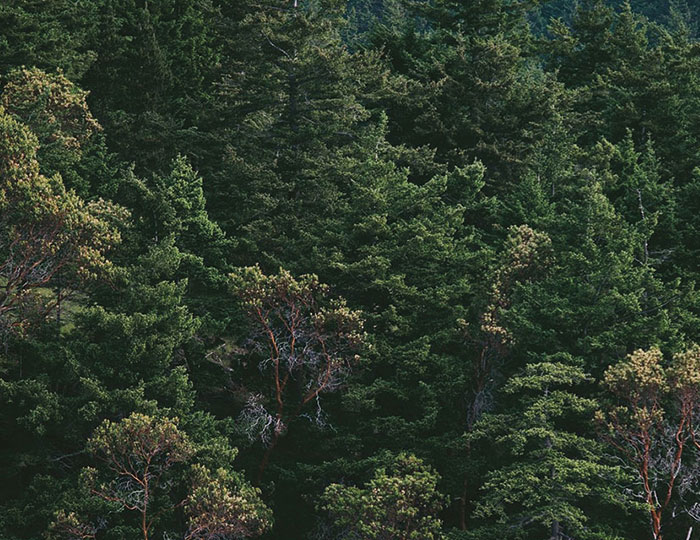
349, 269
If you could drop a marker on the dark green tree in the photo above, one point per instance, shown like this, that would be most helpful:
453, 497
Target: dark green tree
463, 82
151, 86
291, 102
50, 37
554, 480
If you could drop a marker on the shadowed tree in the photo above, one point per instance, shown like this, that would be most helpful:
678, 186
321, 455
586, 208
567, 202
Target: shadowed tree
524, 255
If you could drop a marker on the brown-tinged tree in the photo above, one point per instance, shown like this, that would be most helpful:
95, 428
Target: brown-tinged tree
304, 344
525, 251
140, 469
216, 508
55, 110
45, 230
68, 525
651, 426
137, 452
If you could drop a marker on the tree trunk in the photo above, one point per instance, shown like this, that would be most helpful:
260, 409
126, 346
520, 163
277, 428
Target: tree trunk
556, 531
266, 458
556, 526
463, 506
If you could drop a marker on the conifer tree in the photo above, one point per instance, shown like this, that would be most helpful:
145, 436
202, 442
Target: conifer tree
554, 481
290, 97
47, 36
464, 86
151, 85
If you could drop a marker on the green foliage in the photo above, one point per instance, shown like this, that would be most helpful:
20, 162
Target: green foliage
151, 84
217, 509
55, 110
649, 420
554, 478
466, 87
399, 502
48, 36
46, 232
138, 458
505, 190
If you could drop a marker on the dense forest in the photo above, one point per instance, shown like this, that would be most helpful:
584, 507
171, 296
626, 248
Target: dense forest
349, 269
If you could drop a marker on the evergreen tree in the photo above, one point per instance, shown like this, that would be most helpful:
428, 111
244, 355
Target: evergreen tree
463, 84
554, 480
151, 86
290, 97
47, 36
508, 199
